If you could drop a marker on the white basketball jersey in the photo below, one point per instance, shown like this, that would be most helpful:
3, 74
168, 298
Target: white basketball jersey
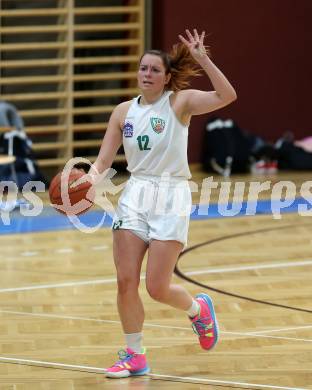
155, 141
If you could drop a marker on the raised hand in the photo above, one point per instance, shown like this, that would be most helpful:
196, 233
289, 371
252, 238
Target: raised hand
195, 44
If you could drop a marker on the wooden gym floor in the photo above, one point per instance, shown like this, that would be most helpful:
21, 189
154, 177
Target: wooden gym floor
59, 324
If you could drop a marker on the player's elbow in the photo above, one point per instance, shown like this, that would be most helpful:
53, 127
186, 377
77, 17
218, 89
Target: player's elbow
227, 98
231, 97
234, 96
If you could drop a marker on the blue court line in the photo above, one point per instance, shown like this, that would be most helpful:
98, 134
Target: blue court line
51, 220
265, 207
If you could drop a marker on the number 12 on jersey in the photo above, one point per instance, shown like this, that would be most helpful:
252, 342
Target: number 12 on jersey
143, 141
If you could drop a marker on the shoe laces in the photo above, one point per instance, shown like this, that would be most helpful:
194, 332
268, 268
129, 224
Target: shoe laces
200, 327
124, 356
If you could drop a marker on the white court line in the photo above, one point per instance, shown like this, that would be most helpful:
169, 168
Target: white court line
219, 382
28, 254
60, 251
149, 325
282, 329
200, 272
21, 313
255, 334
99, 247
44, 364
64, 250
251, 267
59, 285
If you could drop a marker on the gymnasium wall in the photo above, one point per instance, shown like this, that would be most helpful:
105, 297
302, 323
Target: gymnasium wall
263, 47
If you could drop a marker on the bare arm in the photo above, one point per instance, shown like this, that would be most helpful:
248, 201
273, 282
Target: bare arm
111, 142
200, 102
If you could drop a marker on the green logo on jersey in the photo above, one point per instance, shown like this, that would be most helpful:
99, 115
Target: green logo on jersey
143, 141
158, 125
117, 225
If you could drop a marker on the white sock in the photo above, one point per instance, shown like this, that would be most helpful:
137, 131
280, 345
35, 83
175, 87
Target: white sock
193, 309
134, 341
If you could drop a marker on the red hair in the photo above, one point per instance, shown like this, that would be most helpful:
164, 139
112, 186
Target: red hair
180, 63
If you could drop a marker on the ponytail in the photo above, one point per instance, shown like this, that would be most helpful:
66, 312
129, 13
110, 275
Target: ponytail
182, 67
180, 64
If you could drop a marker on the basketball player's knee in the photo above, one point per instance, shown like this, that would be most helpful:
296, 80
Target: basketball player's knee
157, 291
127, 284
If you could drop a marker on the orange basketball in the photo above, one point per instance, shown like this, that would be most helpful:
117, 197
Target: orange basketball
71, 192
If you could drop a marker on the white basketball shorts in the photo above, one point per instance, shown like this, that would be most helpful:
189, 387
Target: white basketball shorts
155, 207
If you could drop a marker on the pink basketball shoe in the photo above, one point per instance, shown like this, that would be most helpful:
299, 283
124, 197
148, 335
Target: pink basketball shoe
130, 363
205, 324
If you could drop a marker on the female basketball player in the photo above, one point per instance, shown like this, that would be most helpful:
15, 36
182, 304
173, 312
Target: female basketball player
154, 129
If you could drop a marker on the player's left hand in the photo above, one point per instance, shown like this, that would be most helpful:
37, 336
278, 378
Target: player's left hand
195, 44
